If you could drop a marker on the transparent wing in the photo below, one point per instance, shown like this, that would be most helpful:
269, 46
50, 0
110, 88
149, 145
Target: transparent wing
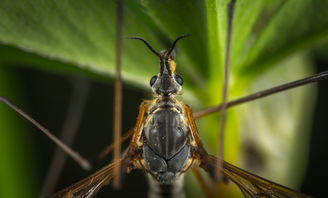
252, 185
89, 186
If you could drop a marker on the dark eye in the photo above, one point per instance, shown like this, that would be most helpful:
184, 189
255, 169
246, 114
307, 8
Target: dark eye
152, 80
179, 79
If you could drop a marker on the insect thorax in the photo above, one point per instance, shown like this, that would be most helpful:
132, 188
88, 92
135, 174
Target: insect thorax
166, 135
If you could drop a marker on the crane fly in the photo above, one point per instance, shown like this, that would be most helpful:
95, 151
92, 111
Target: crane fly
166, 163
166, 143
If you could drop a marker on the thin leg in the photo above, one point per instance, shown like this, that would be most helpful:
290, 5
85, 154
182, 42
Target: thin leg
106, 151
264, 93
231, 7
73, 154
72, 121
202, 182
118, 92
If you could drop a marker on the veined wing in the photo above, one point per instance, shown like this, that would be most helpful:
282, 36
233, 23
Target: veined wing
88, 187
255, 186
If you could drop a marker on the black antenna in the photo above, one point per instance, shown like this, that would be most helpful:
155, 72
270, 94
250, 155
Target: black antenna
175, 42
147, 44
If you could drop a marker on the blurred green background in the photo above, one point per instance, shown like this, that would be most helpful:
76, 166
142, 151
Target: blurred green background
46, 46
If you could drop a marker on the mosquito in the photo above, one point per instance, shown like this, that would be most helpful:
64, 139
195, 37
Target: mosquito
166, 143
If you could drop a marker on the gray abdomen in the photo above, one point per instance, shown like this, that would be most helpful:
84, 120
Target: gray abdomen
174, 190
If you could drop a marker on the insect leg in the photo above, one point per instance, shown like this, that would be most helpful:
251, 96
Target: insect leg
231, 7
264, 93
118, 91
202, 182
106, 151
73, 154
72, 121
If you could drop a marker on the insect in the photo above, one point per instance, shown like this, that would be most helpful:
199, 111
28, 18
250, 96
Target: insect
166, 144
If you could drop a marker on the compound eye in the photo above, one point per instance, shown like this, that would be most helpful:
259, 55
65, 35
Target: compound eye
152, 80
179, 79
